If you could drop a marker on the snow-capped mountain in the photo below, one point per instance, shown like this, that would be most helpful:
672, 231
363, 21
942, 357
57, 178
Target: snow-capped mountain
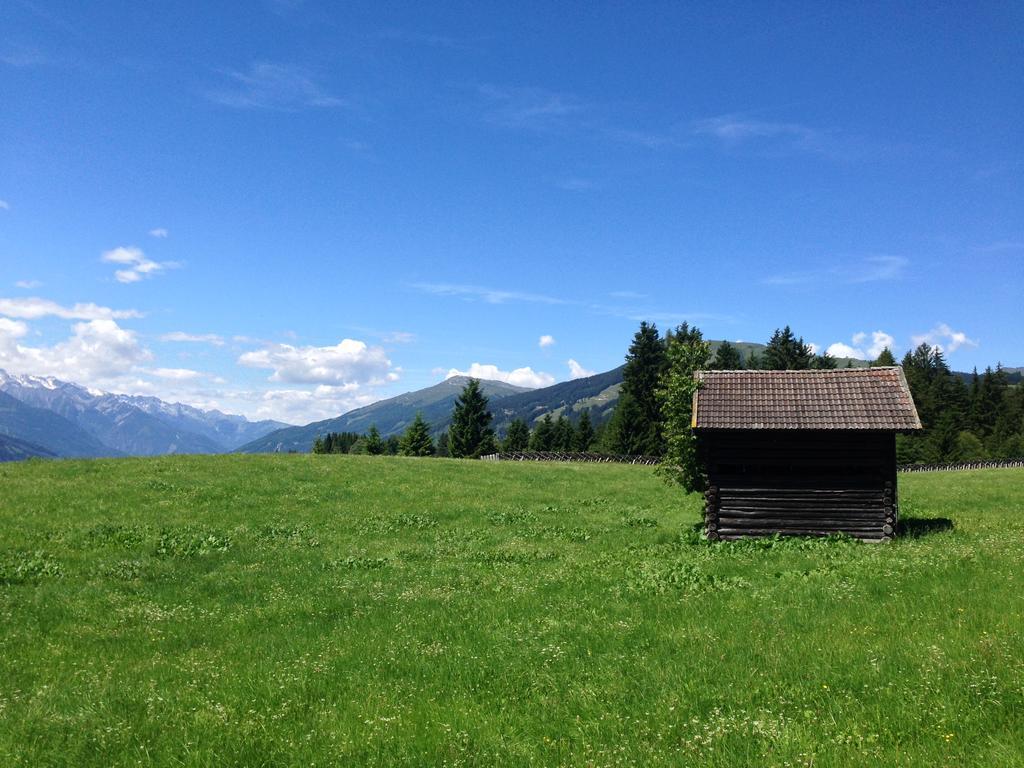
127, 424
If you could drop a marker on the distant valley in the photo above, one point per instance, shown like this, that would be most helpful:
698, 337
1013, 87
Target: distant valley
43, 416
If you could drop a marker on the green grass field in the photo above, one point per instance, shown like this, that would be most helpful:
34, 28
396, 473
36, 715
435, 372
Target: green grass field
335, 610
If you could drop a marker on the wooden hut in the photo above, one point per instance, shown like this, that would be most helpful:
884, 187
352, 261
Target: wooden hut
806, 453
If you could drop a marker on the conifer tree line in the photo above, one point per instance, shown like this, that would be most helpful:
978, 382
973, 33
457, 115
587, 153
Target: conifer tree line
470, 434
962, 422
371, 443
982, 420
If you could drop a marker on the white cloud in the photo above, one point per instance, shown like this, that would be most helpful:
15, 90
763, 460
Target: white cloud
577, 371
733, 129
349, 361
202, 338
398, 337
870, 269
838, 349
271, 86
34, 308
488, 295
300, 406
11, 329
776, 138
127, 276
97, 351
859, 349
138, 265
877, 268
575, 184
627, 295
520, 377
545, 341
27, 284
176, 374
4, 205
533, 109
1001, 245
101, 355
160, 232
880, 340
945, 338
813, 347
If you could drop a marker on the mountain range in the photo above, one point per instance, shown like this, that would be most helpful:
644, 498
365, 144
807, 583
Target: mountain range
41, 415
46, 417
598, 394
391, 416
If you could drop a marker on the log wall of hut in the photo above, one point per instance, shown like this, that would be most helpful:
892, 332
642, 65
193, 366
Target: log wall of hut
798, 482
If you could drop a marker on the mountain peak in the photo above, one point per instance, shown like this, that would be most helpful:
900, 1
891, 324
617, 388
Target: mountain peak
113, 424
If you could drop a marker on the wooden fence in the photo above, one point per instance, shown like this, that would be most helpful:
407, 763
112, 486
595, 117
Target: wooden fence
956, 465
604, 458
601, 458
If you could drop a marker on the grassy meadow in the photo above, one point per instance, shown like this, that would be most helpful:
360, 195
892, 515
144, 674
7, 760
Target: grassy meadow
335, 610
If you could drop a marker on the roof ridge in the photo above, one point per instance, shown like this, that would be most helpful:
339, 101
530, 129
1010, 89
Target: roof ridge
847, 398
843, 371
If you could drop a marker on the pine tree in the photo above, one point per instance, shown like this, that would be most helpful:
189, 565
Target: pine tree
342, 442
416, 440
943, 402
884, 358
636, 423
974, 394
470, 434
628, 432
543, 436
564, 435
318, 445
687, 352
442, 445
584, 436
727, 358
825, 362
1007, 439
785, 352
987, 401
517, 438
374, 445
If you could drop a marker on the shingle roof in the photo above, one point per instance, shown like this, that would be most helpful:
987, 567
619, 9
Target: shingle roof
851, 398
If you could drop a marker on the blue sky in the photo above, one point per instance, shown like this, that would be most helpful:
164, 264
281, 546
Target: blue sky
297, 208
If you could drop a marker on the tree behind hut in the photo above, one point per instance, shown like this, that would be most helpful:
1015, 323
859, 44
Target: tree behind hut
785, 352
885, 358
687, 352
727, 358
636, 423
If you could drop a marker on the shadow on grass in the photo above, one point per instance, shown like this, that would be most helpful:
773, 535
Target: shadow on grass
915, 527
